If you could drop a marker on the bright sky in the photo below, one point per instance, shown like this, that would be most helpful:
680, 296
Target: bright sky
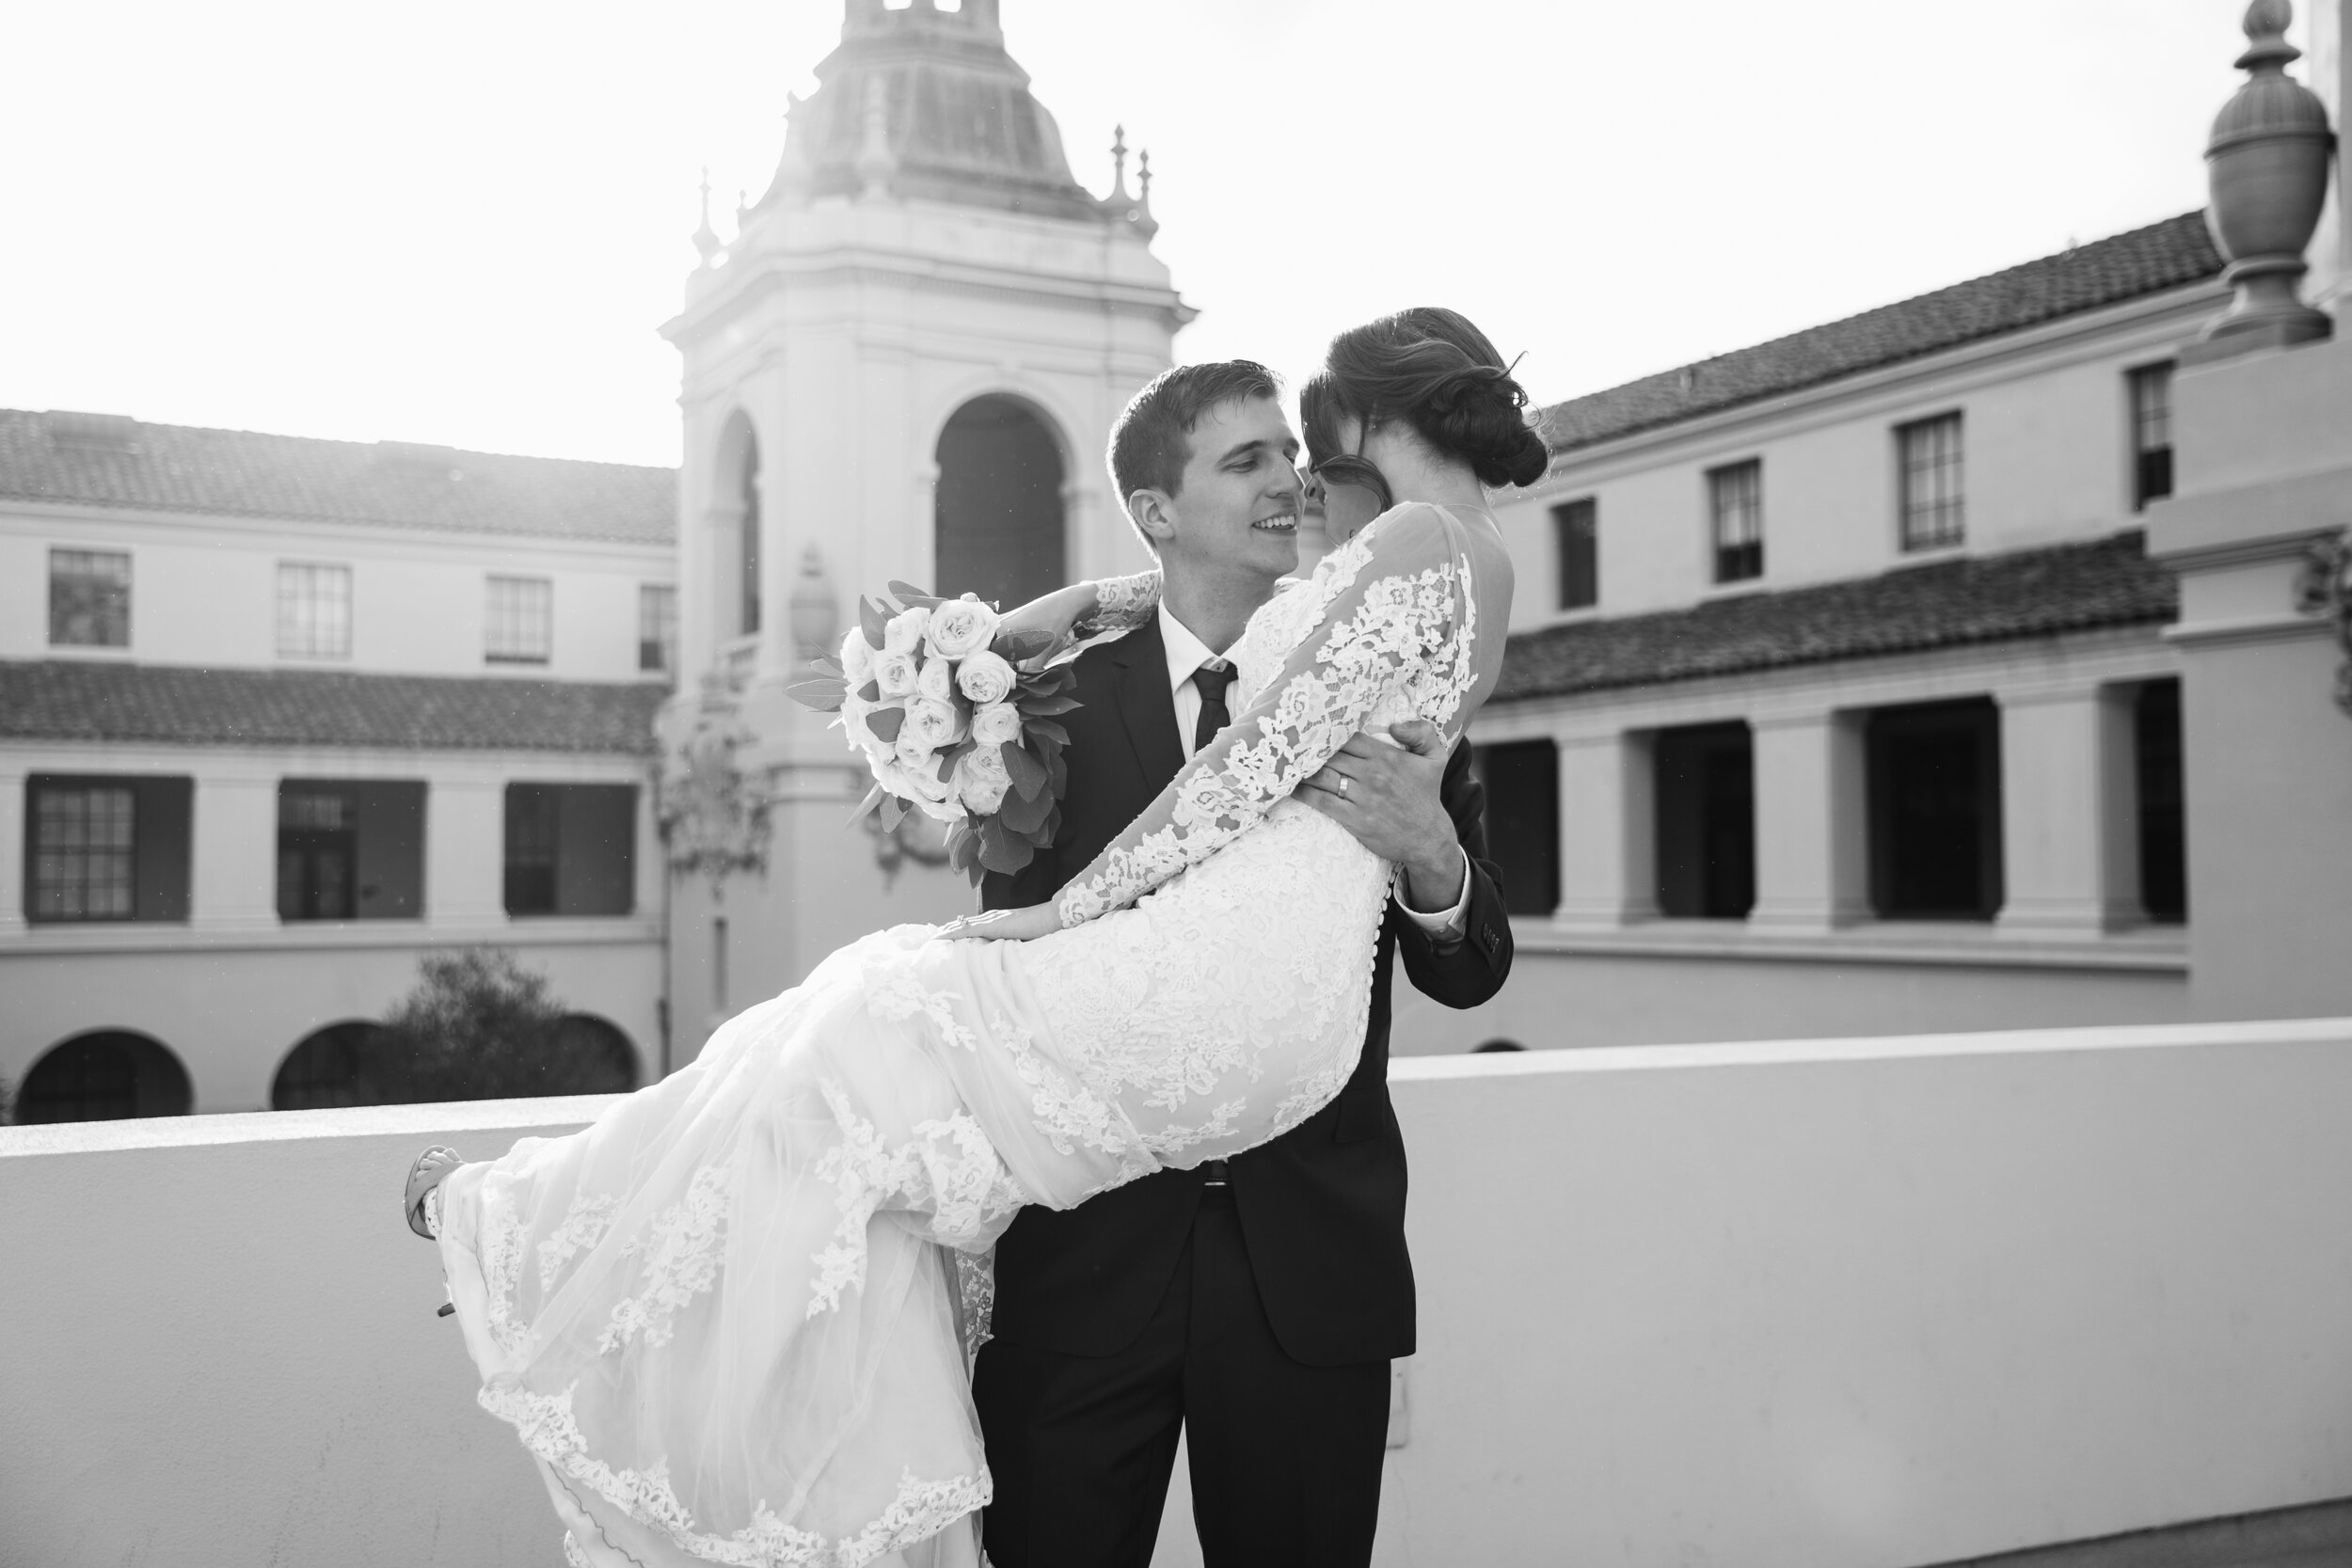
462, 220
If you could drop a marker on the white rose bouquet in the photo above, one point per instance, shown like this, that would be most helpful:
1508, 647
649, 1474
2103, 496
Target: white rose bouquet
955, 720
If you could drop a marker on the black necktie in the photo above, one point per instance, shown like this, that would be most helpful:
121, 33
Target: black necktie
1211, 680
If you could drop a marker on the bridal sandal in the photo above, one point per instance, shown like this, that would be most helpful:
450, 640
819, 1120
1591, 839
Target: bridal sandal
425, 1176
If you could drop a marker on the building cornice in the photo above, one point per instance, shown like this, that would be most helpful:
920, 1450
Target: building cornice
280, 531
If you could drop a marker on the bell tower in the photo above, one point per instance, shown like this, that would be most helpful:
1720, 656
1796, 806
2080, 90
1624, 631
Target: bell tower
903, 365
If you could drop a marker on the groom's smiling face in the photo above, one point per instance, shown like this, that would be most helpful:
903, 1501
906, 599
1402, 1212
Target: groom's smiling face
1238, 507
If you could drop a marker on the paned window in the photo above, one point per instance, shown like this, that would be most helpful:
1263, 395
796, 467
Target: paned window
89, 599
106, 847
520, 621
1735, 498
314, 610
1934, 512
2163, 817
84, 849
2151, 434
1577, 526
657, 627
570, 848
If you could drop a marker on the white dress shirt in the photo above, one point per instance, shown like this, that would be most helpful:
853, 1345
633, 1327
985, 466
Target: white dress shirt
1187, 653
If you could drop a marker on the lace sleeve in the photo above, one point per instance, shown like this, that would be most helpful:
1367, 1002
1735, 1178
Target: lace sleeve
1123, 603
1403, 619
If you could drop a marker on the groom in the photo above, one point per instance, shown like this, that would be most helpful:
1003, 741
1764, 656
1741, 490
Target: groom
1253, 1304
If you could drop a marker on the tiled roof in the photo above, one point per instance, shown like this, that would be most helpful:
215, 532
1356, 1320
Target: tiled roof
1944, 604
2162, 256
102, 460
90, 700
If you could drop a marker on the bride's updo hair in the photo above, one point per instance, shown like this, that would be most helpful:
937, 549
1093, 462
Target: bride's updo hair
1430, 368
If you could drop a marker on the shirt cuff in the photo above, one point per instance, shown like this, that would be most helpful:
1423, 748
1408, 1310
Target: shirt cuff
1450, 925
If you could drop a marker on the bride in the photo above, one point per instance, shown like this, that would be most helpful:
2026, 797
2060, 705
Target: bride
731, 1319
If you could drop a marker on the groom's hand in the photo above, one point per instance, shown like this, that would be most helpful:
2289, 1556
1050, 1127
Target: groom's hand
1386, 797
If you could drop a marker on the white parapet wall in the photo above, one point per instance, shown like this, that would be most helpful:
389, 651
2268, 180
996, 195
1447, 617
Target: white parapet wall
1852, 1303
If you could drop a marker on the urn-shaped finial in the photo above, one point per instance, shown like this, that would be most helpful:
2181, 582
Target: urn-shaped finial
707, 238
816, 615
2267, 165
875, 162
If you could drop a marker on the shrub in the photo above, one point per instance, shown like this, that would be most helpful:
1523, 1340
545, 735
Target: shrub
480, 1026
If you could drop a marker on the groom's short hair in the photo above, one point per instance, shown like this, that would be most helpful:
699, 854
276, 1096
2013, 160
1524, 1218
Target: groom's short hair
1152, 440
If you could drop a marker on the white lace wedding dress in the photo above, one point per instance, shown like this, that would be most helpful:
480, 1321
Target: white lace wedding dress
732, 1319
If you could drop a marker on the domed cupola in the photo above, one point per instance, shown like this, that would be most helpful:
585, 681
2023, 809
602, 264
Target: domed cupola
924, 103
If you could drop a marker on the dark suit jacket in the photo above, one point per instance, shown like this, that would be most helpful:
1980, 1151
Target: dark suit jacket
1323, 1207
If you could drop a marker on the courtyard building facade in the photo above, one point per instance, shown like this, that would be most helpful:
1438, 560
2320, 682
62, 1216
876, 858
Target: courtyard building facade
279, 717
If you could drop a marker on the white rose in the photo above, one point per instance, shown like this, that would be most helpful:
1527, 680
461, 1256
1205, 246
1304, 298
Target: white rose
996, 723
961, 628
934, 724
904, 630
918, 769
857, 658
980, 779
896, 673
936, 680
984, 677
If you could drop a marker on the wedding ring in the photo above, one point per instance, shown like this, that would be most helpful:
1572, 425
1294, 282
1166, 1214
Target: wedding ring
1343, 787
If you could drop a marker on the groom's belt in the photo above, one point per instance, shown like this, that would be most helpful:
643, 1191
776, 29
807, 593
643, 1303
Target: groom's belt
1213, 1173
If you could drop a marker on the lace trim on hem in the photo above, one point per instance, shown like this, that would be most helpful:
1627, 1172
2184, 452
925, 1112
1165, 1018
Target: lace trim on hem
919, 1509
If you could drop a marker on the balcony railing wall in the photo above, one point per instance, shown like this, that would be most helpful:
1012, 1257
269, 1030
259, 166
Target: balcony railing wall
1856, 1303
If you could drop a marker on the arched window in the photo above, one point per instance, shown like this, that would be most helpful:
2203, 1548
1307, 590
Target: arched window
104, 1075
330, 1066
734, 525
999, 510
594, 1056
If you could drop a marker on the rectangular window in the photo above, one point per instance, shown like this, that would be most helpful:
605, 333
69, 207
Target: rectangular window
1735, 498
350, 849
520, 621
1934, 511
1704, 794
314, 610
571, 848
2151, 434
657, 627
89, 599
1935, 810
1522, 780
106, 847
2163, 820
1577, 525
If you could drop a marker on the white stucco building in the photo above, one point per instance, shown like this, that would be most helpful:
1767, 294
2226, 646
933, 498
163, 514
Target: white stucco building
280, 715
905, 366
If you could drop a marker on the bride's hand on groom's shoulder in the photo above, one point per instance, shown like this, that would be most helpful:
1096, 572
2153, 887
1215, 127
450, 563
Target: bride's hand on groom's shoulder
1022, 925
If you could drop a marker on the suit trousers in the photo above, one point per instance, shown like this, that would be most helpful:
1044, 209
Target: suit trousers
1285, 1458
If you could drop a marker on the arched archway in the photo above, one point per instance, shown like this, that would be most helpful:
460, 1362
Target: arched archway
331, 1067
592, 1057
735, 529
997, 528
104, 1075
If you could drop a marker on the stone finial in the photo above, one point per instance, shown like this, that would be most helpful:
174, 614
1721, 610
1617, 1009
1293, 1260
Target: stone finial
1119, 196
875, 163
2266, 166
707, 238
1146, 224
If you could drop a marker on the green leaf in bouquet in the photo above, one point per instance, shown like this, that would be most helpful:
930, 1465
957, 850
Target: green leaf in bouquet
1027, 774
1046, 707
1019, 648
885, 723
874, 798
1000, 850
1056, 775
1045, 729
871, 619
821, 692
892, 812
1024, 814
963, 850
869, 692
914, 597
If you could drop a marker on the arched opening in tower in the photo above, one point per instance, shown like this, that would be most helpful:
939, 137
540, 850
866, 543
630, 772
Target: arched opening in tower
1000, 512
